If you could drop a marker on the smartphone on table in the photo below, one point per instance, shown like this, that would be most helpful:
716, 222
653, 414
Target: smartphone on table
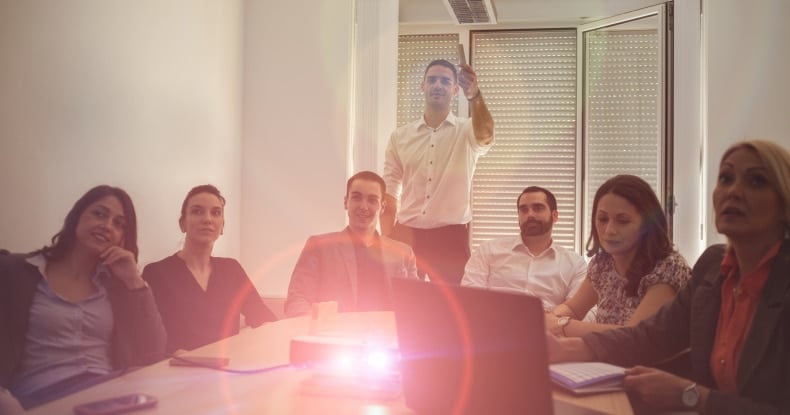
116, 405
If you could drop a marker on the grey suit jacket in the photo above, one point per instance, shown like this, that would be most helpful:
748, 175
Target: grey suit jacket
763, 378
327, 271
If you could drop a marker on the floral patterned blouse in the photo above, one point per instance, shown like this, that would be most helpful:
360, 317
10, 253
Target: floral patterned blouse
614, 305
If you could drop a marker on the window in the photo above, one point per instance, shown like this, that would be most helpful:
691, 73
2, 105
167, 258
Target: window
623, 102
538, 84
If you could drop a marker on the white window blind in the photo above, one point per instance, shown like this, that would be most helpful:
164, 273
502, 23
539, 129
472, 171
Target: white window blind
528, 79
623, 94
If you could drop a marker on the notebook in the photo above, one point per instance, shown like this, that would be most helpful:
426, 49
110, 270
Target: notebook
587, 377
473, 351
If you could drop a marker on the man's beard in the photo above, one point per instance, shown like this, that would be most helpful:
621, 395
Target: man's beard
543, 228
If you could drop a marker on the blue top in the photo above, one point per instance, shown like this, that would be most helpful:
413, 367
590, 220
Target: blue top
64, 339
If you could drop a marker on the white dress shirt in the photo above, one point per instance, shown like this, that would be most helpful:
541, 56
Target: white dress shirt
506, 264
430, 171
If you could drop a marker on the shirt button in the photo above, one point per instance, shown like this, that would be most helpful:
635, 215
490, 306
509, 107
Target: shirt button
722, 362
428, 197
432, 145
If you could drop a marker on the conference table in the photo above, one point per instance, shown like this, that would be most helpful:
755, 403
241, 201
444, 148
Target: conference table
199, 390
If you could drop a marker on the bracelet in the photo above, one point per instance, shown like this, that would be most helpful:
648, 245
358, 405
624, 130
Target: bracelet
477, 95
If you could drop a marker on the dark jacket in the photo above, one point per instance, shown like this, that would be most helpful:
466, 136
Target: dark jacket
327, 271
763, 378
138, 334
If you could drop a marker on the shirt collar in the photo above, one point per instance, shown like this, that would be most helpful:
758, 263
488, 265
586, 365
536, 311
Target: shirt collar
357, 240
100, 276
729, 264
451, 119
518, 244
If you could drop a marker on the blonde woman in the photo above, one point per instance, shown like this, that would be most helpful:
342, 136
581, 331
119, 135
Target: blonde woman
734, 314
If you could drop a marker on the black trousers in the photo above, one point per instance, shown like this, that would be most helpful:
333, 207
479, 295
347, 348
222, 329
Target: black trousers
441, 252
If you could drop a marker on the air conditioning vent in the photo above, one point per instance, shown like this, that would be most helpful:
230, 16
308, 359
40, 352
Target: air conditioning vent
471, 11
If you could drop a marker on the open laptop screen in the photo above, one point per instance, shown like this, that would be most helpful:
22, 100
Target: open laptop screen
471, 351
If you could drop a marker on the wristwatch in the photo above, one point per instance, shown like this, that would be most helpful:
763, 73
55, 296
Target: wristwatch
690, 396
562, 322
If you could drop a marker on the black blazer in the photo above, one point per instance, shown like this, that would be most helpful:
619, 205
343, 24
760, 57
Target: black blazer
763, 378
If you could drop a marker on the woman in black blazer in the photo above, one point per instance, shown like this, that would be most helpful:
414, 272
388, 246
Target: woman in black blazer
734, 315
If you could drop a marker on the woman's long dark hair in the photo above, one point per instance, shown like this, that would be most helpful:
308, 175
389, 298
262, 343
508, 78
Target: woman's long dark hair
63, 241
654, 244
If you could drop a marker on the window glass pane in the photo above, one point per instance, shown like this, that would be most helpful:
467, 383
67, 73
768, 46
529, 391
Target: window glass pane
623, 113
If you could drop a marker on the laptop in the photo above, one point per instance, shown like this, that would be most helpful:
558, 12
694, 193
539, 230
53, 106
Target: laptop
473, 351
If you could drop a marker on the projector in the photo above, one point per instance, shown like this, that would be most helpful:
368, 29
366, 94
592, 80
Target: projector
311, 350
347, 366
341, 350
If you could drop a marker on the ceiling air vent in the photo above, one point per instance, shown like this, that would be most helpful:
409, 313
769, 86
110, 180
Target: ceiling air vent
471, 11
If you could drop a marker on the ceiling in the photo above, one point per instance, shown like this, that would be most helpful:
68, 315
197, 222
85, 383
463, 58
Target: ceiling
530, 12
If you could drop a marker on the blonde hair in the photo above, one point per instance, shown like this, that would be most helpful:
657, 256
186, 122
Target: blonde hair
776, 159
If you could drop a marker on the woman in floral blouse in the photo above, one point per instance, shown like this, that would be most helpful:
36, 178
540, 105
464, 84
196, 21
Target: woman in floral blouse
634, 270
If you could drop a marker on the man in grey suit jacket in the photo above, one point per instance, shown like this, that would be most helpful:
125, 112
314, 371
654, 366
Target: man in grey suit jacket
353, 266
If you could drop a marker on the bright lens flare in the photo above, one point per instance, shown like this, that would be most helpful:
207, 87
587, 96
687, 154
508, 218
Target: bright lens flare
374, 363
379, 362
344, 364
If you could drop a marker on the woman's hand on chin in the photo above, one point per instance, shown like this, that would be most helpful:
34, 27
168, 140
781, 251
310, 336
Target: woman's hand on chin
122, 265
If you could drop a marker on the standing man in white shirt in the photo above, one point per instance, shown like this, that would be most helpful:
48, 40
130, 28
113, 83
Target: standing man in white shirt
428, 168
530, 263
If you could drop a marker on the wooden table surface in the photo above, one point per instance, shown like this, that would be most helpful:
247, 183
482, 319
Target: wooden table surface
190, 390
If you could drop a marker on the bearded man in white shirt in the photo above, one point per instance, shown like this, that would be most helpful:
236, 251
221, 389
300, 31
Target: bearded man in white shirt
530, 263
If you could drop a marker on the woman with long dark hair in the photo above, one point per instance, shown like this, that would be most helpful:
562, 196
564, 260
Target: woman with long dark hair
634, 268
77, 311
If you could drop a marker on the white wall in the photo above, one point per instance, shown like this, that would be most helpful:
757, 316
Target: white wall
747, 79
140, 94
147, 95
375, 78
297, 103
